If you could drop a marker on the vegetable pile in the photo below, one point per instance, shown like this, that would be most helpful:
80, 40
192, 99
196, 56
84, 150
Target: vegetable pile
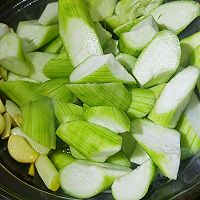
113, 81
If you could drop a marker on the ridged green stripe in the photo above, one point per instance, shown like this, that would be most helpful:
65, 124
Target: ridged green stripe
189, 138
58, 67
89, 139
20, 92
39, 122
109, 117
66, 112
142, 102
106, 94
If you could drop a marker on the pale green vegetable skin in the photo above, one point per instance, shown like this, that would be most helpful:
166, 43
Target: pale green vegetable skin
101, 69
12, 56
111, 47
14, 77
55, 46
20, 92
158, 89
139, 156
161, 144
188, 45
4, 28
195, 57
58, 67
119, 159
103, 35
76, 154
51, 85
136, 8
66, 112
127, 10
56, 89
116, 164
143, 101
35, 35
61, 159
102, 94
159, 60
177, 15
114, 21
170, 105
127, 26
127, 61
39, 123
112, 170
100, 10
92, 141
135, 184
38, 61
108, 117
47, 172
77, 31
2, 123
138, 37
50, 14
128, 144
189, 128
